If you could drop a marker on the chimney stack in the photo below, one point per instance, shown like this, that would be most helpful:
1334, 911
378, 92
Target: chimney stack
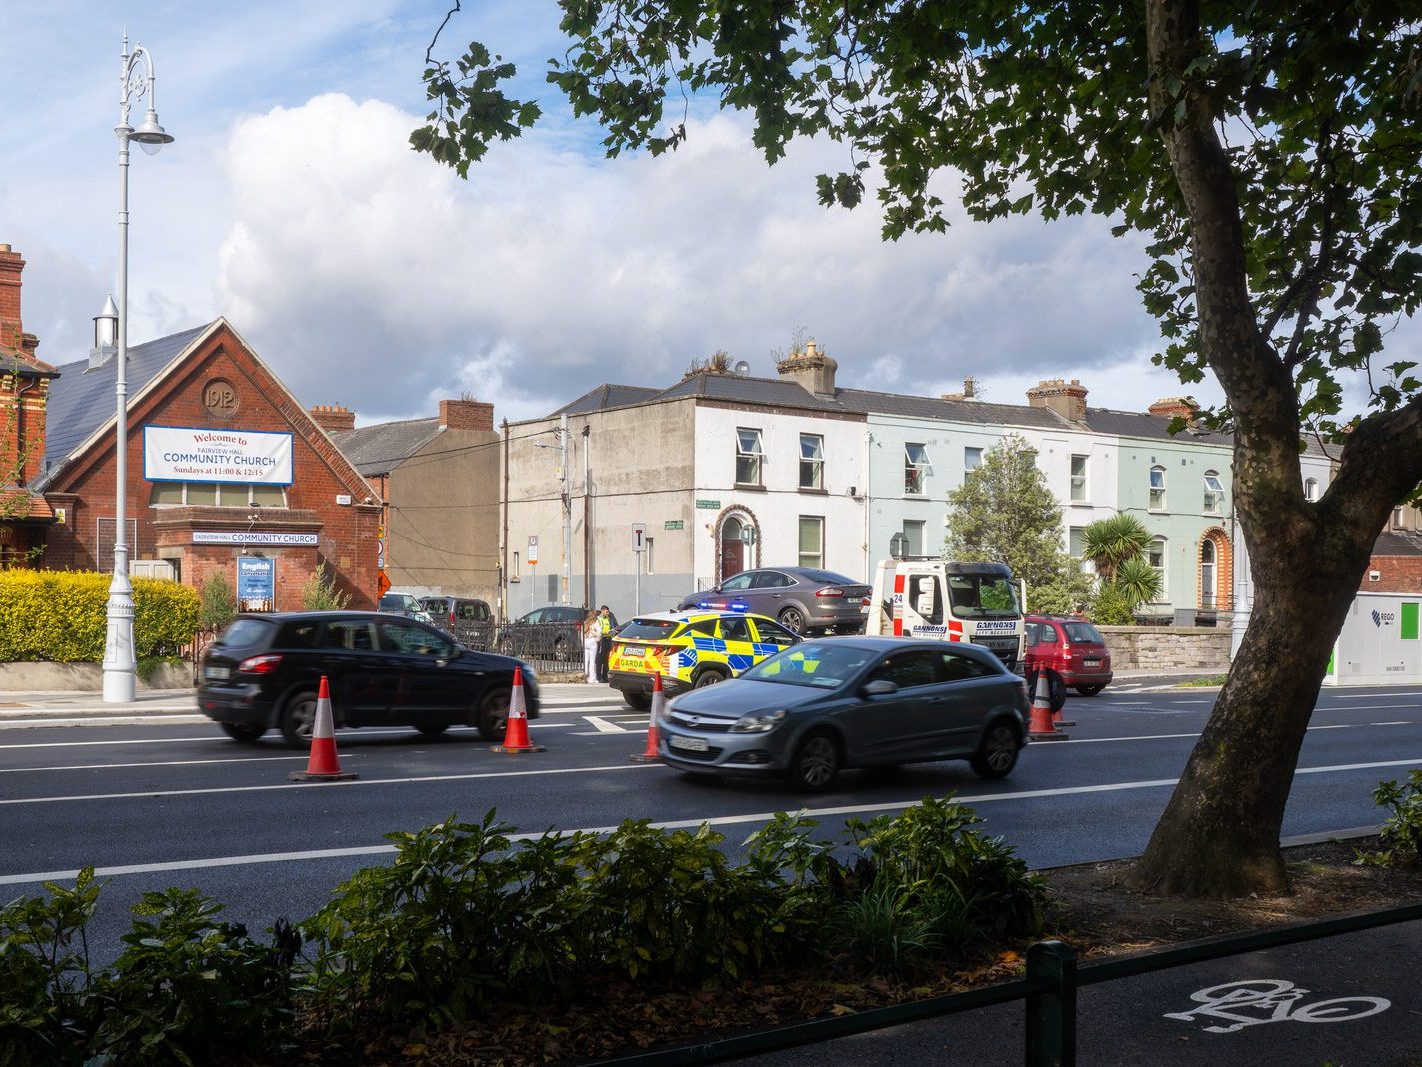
1067, 399
333, 418
969, 391
812, 370
12, 333
1170, 406
466, 415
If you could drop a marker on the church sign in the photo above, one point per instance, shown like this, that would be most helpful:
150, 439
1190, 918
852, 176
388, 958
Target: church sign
194, 454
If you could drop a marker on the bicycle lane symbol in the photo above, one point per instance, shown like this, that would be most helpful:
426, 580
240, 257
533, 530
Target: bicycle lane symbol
1271, 1000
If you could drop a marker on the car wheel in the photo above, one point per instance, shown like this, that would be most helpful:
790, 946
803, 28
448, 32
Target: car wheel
997, 752
710, 676
241, 731
638, 701
493, 716
1089, 690
298, 718
506, 645
815, 763
1056, 689
560, 650
432, 729
793, 619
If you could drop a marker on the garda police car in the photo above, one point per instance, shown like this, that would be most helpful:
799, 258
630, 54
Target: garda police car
689, 649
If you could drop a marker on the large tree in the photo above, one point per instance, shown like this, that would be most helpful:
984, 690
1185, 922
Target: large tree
1004, 512
1267, 151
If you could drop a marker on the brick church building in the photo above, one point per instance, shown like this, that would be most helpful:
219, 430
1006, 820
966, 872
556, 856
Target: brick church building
226, 472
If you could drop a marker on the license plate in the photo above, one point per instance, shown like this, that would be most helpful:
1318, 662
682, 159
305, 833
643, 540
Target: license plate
864, 609
1091, 663
217, 673
691, 744
635, 651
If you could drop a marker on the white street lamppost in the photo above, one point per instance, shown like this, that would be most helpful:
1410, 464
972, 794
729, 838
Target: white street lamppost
119, 667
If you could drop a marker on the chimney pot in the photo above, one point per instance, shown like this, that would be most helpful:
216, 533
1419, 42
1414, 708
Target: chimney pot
333, 418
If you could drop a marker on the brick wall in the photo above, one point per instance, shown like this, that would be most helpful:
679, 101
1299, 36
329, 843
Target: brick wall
11, 330
1396, 574
1203, 648
466, 415
347, 533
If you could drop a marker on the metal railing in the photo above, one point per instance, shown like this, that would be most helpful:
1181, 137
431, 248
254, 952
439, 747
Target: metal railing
1048, 990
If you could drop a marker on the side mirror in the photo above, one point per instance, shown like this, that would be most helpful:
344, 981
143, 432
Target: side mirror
879, 687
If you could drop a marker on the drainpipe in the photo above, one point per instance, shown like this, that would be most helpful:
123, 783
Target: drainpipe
587, 528
504, 545
868, 506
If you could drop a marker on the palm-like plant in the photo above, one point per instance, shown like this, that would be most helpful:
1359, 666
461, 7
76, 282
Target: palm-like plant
1137, 581
1109, 543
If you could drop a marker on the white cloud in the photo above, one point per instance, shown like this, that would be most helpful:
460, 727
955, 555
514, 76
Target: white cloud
370, 276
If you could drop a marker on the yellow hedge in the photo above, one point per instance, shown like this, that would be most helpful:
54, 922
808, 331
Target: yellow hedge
60, 616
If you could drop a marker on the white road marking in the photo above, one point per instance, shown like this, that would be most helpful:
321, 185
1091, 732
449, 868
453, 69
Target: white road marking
160, 763
679, 824
98, 720
1400, 722
602, 726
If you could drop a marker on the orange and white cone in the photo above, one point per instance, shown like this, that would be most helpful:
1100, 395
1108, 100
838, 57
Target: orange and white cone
1042, 727
659, 700
323, 765
516, 731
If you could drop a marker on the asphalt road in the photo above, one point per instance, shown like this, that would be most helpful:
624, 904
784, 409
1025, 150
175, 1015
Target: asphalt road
173, 802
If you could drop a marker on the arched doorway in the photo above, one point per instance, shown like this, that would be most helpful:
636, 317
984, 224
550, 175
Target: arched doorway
737, 543
733, 549
1215, 572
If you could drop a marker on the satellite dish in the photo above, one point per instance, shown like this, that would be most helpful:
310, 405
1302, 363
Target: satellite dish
742, 368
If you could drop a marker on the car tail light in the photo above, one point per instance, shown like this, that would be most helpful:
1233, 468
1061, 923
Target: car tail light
259, 664
830, 590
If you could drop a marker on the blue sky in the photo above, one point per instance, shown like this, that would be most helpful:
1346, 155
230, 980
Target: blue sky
367, 275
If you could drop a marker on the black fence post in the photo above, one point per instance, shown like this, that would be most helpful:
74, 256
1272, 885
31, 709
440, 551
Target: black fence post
1051, 1009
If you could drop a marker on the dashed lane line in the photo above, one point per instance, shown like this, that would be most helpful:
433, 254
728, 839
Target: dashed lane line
163, 763
678, 824
601, 726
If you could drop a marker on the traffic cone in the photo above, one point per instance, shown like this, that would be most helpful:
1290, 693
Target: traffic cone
1042, 727
650, 755
516, 732
323, 765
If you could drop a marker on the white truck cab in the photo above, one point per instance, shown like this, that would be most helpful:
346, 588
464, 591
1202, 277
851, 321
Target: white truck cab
947, 601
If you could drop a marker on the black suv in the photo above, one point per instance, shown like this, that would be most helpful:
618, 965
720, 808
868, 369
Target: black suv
383, 670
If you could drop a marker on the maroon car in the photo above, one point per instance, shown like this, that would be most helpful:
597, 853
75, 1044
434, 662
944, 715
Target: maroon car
1070, 648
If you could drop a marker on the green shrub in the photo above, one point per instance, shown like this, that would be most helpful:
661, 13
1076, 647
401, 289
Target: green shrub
44, 974
61, 616
188, 984
217, 602
320, 592
1401, 832
1111, 607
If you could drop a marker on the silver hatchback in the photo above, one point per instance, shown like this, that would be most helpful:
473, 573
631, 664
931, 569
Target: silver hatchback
802, 599
824, 705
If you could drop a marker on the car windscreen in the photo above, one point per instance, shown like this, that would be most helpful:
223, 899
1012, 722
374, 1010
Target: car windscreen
393, 602
648, 629
819, 664
245, 633
1083, 633
982, 596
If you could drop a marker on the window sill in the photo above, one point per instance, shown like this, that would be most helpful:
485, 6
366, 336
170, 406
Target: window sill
814, 492
749, 488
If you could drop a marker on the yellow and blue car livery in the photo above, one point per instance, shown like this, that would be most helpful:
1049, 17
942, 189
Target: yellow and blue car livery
689, 649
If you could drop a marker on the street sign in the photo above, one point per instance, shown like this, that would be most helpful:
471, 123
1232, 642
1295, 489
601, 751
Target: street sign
532, 551
709, 504
674, 524
639, 536
898, 546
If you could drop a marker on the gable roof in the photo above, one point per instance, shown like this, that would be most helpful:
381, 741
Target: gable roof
1398, 543
1144, 424
381, 448
969, 411
83, 399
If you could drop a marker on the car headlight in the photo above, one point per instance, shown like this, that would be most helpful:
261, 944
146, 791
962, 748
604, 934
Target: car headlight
762, 722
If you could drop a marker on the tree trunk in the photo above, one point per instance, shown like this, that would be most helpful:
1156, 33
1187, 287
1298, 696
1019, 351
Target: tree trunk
1219, 835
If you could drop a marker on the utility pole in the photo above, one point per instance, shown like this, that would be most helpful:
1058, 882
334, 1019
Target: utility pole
567, 514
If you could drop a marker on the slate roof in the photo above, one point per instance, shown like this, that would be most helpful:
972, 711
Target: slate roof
1398, 543
970, 411
607, 396
82, 399
1144, 424
381, 448
770, 392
